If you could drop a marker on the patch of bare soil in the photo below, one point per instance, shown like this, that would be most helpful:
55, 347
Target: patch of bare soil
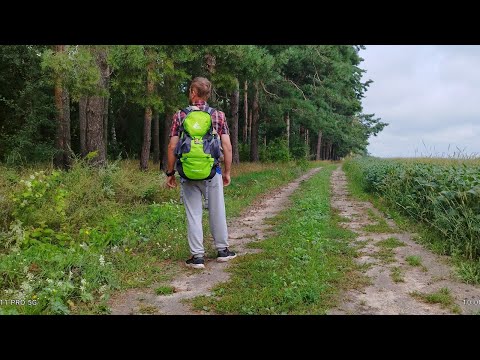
394, 281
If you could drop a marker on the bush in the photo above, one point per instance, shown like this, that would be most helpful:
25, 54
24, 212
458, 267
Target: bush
299, 150
302, 164
276, 151
244, 152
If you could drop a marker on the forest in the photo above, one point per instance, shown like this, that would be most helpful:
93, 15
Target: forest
59, 103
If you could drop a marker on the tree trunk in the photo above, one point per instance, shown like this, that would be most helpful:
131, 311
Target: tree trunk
105, 113
156, 138
62, 103
82, 117
255, 124
59, 102
67, 160
234, 109
95, 119
147, 137
245, 108
210, 65
307, 142
250, 126
58, 160
165, 140
319, 144
94, 130
147, 125
213, 98
287, 120
114, 136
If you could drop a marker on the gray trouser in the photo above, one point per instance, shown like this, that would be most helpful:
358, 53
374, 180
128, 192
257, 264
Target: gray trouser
212, 191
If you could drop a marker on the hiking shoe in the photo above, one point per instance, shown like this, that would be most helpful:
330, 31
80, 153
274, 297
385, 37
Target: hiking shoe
225, 255
196, 262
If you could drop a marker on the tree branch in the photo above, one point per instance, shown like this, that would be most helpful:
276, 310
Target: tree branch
268, 92
317, 77
219, 96
297, 88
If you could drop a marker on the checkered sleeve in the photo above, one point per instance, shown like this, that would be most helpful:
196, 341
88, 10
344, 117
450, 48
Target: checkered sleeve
222, 127
174, 131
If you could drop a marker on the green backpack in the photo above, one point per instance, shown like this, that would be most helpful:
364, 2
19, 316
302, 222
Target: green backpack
198, 149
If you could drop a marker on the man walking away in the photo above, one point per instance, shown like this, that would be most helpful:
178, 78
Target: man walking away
197, 137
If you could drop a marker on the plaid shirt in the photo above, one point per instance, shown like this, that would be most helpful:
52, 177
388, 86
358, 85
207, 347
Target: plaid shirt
218, 120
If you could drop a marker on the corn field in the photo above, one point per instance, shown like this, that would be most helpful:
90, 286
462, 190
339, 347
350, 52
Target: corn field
444, 194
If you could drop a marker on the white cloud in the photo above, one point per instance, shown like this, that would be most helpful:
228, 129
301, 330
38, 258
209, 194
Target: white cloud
428, 94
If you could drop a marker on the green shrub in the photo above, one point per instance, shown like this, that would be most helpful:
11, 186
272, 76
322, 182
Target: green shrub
276, 151
244, 152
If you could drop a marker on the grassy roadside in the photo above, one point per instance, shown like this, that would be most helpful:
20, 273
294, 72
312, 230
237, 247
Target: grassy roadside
466, 270
249, 180
111, 230
301, 269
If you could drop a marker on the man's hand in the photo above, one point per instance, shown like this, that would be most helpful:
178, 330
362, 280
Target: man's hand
171, 182
226, 179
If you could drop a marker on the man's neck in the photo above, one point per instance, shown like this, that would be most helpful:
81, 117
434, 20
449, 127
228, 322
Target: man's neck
196, 100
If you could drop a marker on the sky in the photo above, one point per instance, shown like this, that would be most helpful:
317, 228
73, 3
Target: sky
429, 95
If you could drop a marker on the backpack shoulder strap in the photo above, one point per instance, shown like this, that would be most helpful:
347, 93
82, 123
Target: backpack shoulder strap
187, 111
210, 111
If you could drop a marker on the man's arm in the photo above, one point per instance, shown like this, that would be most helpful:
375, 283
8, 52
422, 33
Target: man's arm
227, 158
171, 182
171, 153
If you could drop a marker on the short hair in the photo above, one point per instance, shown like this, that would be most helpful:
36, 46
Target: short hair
203, 87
